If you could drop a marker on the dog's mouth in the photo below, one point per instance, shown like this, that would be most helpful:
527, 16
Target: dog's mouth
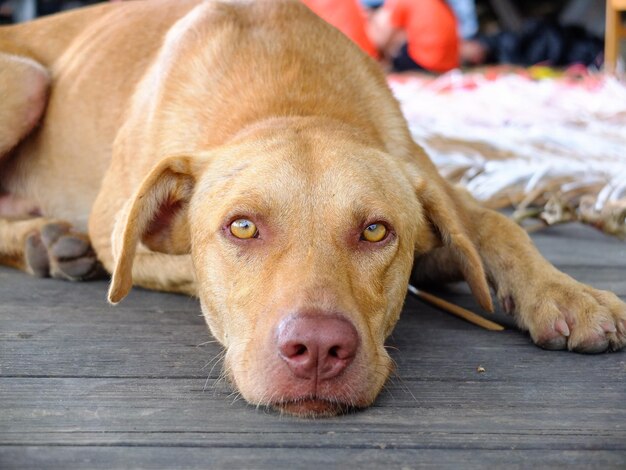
302, 382
314, 407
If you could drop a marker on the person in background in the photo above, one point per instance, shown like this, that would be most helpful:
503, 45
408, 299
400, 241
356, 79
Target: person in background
348, 17
471, 50
416, 35
19, 11
405, 34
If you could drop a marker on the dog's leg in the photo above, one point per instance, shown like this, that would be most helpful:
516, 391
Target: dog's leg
163, 272
23, 95
45, 247
558, 311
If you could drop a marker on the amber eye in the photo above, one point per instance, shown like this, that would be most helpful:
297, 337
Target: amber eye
244, 229
374, 233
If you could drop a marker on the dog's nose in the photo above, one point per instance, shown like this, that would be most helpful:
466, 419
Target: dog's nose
317, 346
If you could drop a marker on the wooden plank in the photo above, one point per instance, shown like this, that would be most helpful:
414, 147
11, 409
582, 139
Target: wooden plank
322, 439
182, 405
66, 458
578, 245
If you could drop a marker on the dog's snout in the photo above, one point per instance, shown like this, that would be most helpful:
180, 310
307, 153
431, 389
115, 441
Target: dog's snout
316, 346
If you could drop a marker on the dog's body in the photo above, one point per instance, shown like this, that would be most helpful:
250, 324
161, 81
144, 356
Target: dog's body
264, 166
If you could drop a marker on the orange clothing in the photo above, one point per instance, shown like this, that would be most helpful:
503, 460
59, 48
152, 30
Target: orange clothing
431, 29
348, 17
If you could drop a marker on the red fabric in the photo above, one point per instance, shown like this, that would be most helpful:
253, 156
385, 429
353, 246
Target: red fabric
348, 17
431, 30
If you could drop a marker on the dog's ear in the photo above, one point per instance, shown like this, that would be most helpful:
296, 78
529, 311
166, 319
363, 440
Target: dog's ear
157, 215
442, 212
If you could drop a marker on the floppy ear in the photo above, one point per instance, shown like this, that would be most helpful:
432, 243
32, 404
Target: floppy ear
442, 212
156, 215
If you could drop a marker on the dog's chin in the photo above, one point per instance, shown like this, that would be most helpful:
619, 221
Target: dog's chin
312, 407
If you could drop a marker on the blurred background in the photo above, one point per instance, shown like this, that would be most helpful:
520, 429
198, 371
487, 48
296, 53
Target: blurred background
438, 35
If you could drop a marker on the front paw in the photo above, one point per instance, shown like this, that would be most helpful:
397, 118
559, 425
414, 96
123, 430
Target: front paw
566, 314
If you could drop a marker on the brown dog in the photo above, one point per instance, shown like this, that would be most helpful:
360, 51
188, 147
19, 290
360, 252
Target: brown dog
247, 153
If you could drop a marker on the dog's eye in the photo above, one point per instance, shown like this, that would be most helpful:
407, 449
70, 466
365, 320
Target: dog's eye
244, 229
374, 233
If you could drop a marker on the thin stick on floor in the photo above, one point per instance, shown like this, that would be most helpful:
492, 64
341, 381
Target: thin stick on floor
455, 309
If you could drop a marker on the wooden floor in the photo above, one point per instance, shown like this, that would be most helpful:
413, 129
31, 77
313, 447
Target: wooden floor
85, 385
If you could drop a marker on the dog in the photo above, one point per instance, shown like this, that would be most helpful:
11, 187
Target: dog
247, 153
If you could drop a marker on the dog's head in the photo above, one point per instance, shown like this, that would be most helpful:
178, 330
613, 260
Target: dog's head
302, 237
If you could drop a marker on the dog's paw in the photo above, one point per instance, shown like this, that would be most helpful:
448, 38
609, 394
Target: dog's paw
566, 314
59, 252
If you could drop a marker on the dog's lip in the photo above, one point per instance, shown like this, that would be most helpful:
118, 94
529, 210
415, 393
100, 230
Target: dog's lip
314, 407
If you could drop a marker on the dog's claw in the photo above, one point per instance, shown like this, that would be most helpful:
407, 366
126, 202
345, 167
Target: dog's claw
608, 327
561, 326
555, 338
